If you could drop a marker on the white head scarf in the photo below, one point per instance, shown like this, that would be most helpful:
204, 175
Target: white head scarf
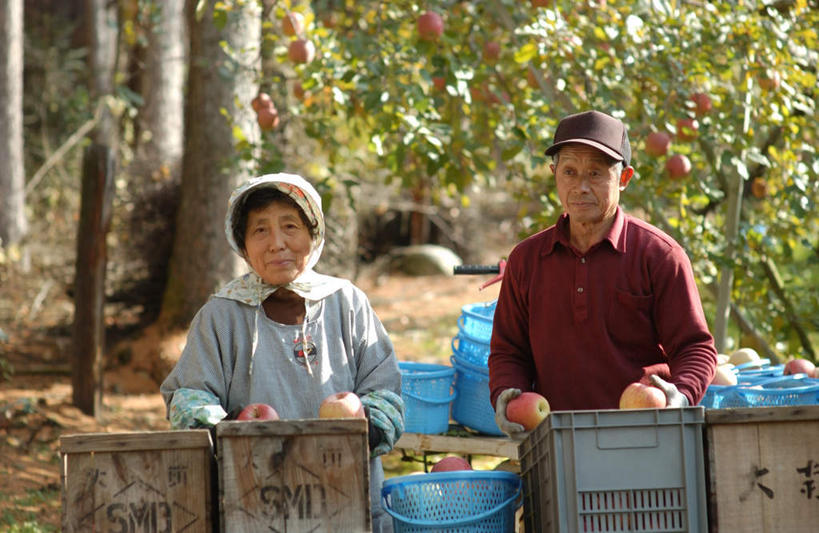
251, 288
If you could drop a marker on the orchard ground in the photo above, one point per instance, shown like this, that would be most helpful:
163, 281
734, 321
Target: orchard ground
35, 394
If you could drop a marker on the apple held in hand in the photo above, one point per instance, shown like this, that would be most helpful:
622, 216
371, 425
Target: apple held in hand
258, 411
450, 463
529, 409
341, 405
641, 396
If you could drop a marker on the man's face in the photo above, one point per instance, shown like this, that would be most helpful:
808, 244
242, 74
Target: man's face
588, 184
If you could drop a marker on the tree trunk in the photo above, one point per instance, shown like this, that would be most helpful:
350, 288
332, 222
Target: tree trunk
89, 280
13, 224
201, 260
95, 215
161, 119
154, 175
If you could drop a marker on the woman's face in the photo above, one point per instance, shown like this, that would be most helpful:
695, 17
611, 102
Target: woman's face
277, 243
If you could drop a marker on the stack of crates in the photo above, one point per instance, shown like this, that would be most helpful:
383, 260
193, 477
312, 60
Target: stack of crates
615, 470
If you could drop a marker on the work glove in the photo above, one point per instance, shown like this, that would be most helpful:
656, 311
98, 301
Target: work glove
673, 397
512, 429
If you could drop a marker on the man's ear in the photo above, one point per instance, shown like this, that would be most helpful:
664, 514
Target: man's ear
626, 176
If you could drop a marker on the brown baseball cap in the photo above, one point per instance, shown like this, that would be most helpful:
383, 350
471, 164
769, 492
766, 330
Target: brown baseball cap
595, 129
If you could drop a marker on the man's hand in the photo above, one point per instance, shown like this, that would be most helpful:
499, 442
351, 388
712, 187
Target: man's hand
673, 397
512, 429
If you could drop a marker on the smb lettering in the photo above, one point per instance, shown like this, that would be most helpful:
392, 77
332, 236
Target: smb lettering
306, 501
141, 517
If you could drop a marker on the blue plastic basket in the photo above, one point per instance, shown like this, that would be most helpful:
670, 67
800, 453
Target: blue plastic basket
471, 349
787, 390
428, 394
765, 371
467, 501
476, 320
472, 407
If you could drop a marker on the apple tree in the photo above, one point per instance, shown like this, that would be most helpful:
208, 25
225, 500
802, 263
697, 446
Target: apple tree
467, 99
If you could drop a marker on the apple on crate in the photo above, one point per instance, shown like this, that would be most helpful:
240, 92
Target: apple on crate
344, 404
450, 463
800, 366
742, 356
257, 411
528, 409
725, 375
638, 395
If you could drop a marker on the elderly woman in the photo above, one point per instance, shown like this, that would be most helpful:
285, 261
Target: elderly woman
283, 334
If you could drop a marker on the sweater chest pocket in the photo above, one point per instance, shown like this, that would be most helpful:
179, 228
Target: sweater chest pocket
629, 319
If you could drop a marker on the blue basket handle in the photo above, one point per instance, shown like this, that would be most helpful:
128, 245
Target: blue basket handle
456, 522
429, 400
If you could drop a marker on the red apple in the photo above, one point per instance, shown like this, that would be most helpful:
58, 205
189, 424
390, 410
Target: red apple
657, 143
293, 24
678, 166
439, 82
450, 463
799, 366
641, 396
261, 100
541, 3
341, 405
687, 129
298, 90
491, 51
529, 409
301, 51
702, 103
258, 411
769, 80
329, 20
268, 118
759, 187
430, 26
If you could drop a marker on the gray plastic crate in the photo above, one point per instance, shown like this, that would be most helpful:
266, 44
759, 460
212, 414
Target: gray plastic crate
615, 471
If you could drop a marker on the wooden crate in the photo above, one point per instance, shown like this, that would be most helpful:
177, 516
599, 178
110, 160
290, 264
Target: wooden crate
294, 475
141, 482
763, 469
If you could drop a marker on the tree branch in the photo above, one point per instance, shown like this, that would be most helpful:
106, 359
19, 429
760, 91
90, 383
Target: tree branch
776, 284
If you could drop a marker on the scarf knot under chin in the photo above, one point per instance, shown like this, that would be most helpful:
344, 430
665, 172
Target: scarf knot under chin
252, 290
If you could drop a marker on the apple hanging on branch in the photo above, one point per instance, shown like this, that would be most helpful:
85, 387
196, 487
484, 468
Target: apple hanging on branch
657, 143
293, 24
430, 26
678, 166
687, 129
702, 103
301, 51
